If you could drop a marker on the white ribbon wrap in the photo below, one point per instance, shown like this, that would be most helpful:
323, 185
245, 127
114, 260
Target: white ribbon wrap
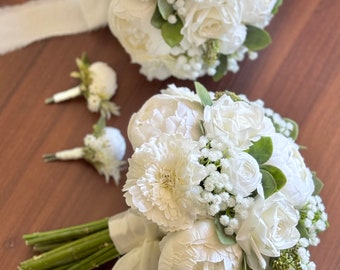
137, 238
25, 23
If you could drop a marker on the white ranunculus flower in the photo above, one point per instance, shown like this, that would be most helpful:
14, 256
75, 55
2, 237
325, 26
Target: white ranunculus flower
244, 174
206, 20
167, 114
163, 181
104, 80
286, 156
257, 12
269, 228
198, 248
241, 122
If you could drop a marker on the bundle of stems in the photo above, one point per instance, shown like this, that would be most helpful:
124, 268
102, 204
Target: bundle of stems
82, 247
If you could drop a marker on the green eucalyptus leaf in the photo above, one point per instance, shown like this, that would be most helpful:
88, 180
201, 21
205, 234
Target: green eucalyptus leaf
261, 150
222, 68
273, 179
157, 19
295, 132
203, 94
226, 240
171, 33
268, 183
318, 184
276, 6
257, 38
165, 8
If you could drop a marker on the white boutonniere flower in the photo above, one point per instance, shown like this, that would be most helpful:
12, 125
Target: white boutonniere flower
98, 85
104, 149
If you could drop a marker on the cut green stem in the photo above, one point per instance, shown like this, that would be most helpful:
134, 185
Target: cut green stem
65, 234
68, 253
102, 256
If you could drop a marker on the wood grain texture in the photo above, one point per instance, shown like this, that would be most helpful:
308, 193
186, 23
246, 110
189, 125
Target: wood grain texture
298, 76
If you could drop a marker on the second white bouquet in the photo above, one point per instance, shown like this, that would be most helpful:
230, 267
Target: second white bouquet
215, 182
188, 39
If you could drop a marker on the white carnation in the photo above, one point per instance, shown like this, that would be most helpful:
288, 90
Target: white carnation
163, 181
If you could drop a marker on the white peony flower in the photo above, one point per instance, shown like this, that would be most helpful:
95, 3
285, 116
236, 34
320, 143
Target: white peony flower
269, 228
198, 248
181, 92
257, 12
287, 158
214, 20
244, 174
165, 114
163, 181
241, 122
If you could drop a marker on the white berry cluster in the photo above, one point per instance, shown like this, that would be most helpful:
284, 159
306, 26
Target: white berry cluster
217, 187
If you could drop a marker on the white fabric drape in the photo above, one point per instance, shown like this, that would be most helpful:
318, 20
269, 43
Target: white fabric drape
137, 239
25, 23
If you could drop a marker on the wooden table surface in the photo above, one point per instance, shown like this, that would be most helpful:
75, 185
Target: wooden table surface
297, 76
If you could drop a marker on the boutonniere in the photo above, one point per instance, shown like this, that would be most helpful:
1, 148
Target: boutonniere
98, 84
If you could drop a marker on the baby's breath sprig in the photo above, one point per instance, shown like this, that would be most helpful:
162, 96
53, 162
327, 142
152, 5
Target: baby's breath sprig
104, 149
98, 85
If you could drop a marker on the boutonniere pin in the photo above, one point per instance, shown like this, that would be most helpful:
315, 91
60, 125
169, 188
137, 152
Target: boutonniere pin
98, 85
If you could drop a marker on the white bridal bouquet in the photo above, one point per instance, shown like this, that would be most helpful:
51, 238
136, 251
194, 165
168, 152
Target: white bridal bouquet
215, 182
188, 39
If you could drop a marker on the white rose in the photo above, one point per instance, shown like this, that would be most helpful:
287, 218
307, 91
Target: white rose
287, 158
167, 114
144, 43
244, 174
269, 228
206, 20
198, 248
241, 122
257, 12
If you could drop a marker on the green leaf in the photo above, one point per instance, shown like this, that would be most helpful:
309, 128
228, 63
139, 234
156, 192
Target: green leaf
268, 183
302, 230
278, 175
318, 184
226, 240
222, 68
257, 38
203, 94
157, 19
295, 132
98, 128
165, 9
261, 150
172, 32
202, 127
273, 179
276, 6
